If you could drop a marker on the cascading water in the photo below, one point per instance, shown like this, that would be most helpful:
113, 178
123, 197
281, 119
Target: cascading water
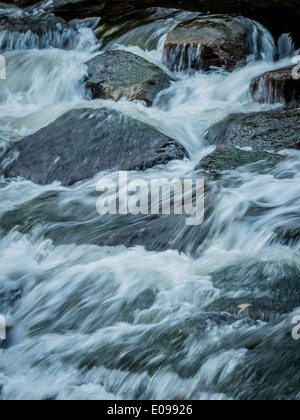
189, 57
26, 30
88, 321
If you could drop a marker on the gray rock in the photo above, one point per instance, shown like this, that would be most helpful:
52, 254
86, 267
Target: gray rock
208, 41
271, 297
118, 74
264, 309
84, 142
276, 86
272, 130
42, 30
37, 24
226, 158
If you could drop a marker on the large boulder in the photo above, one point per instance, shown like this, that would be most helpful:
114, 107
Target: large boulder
118, 74
227, 158
84, 142
209, 41
272, 130
279, 16
276, 86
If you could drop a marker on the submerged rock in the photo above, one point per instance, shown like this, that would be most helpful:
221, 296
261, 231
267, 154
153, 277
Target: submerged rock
264, 309
270, 298
118, 74
84, 142
226, 158
209, 41
276, 86
273, 130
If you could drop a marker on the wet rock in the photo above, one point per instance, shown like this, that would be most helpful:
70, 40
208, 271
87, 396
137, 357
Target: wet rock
273, 130
269, 366
208, 41
40, 30
276, 86
118, 74
227, 158
84, 142
278, 16
23, 22
263, 309
269, 298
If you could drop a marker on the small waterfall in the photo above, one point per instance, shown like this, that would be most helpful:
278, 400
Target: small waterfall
189, 57
39, 78
276, 87
63, 38
23, 30
186, 57
285, 46
266, 92
261, 43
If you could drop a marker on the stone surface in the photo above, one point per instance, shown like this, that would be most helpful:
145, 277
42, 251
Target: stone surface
272, 130
208, 41
278, 16
226, 158
276, 86
275, 295
118, 74
84, 142
24, 31
37, 24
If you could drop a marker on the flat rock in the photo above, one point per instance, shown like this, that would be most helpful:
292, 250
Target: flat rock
273, 130
84, 142
118, 74
227, 158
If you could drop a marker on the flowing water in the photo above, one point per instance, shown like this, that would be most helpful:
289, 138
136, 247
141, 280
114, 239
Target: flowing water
88, 321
